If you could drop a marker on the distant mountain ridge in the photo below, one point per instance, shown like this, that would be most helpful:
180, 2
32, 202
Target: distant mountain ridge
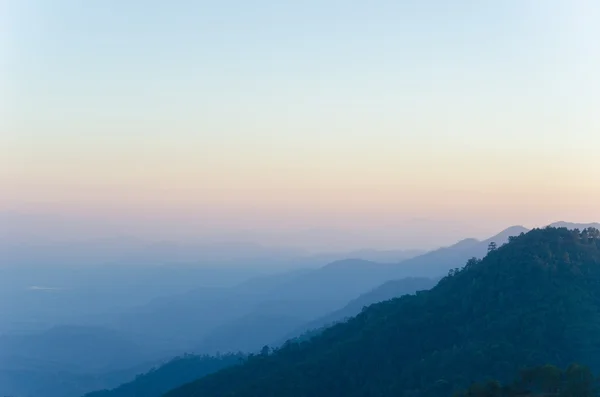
437, 263
68, 361
291, 299
573, 225
91, 349
388, 290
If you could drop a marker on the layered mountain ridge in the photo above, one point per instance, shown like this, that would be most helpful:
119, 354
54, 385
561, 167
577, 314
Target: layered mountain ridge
533, 301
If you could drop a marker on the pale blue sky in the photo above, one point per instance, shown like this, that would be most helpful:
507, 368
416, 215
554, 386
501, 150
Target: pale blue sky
303, 113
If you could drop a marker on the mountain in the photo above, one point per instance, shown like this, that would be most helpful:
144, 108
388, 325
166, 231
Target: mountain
389, 290
533, 301
68, 361
372, 255
199, 320
249, 333
38, 296
546, 380
280, 308
336, 283
573, 226
186, 319
176, 372
437, 263
81, 349
55, 382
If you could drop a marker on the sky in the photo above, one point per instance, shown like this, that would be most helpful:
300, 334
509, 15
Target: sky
278, 121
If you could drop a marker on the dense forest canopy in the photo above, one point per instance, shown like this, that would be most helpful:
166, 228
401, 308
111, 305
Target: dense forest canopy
532, 301
548, 380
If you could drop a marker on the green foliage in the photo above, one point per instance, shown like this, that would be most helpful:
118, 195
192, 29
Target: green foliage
532, 301
175, 373
548, 380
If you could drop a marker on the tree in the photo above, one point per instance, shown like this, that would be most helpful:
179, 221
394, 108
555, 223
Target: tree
549, 379
492, 247
579, 382
471, 263
593, 234
265, 351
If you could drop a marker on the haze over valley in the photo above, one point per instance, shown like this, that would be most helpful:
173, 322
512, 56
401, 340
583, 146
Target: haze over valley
77, 327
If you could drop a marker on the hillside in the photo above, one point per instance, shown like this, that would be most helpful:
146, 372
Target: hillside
176, 372
199, 319
572, 225
533, 301
91, 349
202, 317
288, 312
248, 334
437, 262
68, 361
386, 291
47, 381
543, 381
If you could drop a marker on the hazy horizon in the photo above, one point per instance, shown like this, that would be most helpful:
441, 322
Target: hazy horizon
410, 234
390, 125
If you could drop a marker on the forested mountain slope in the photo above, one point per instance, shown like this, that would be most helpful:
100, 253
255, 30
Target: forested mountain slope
543, 381
437, 262
176, 372
533, 301
389, 290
